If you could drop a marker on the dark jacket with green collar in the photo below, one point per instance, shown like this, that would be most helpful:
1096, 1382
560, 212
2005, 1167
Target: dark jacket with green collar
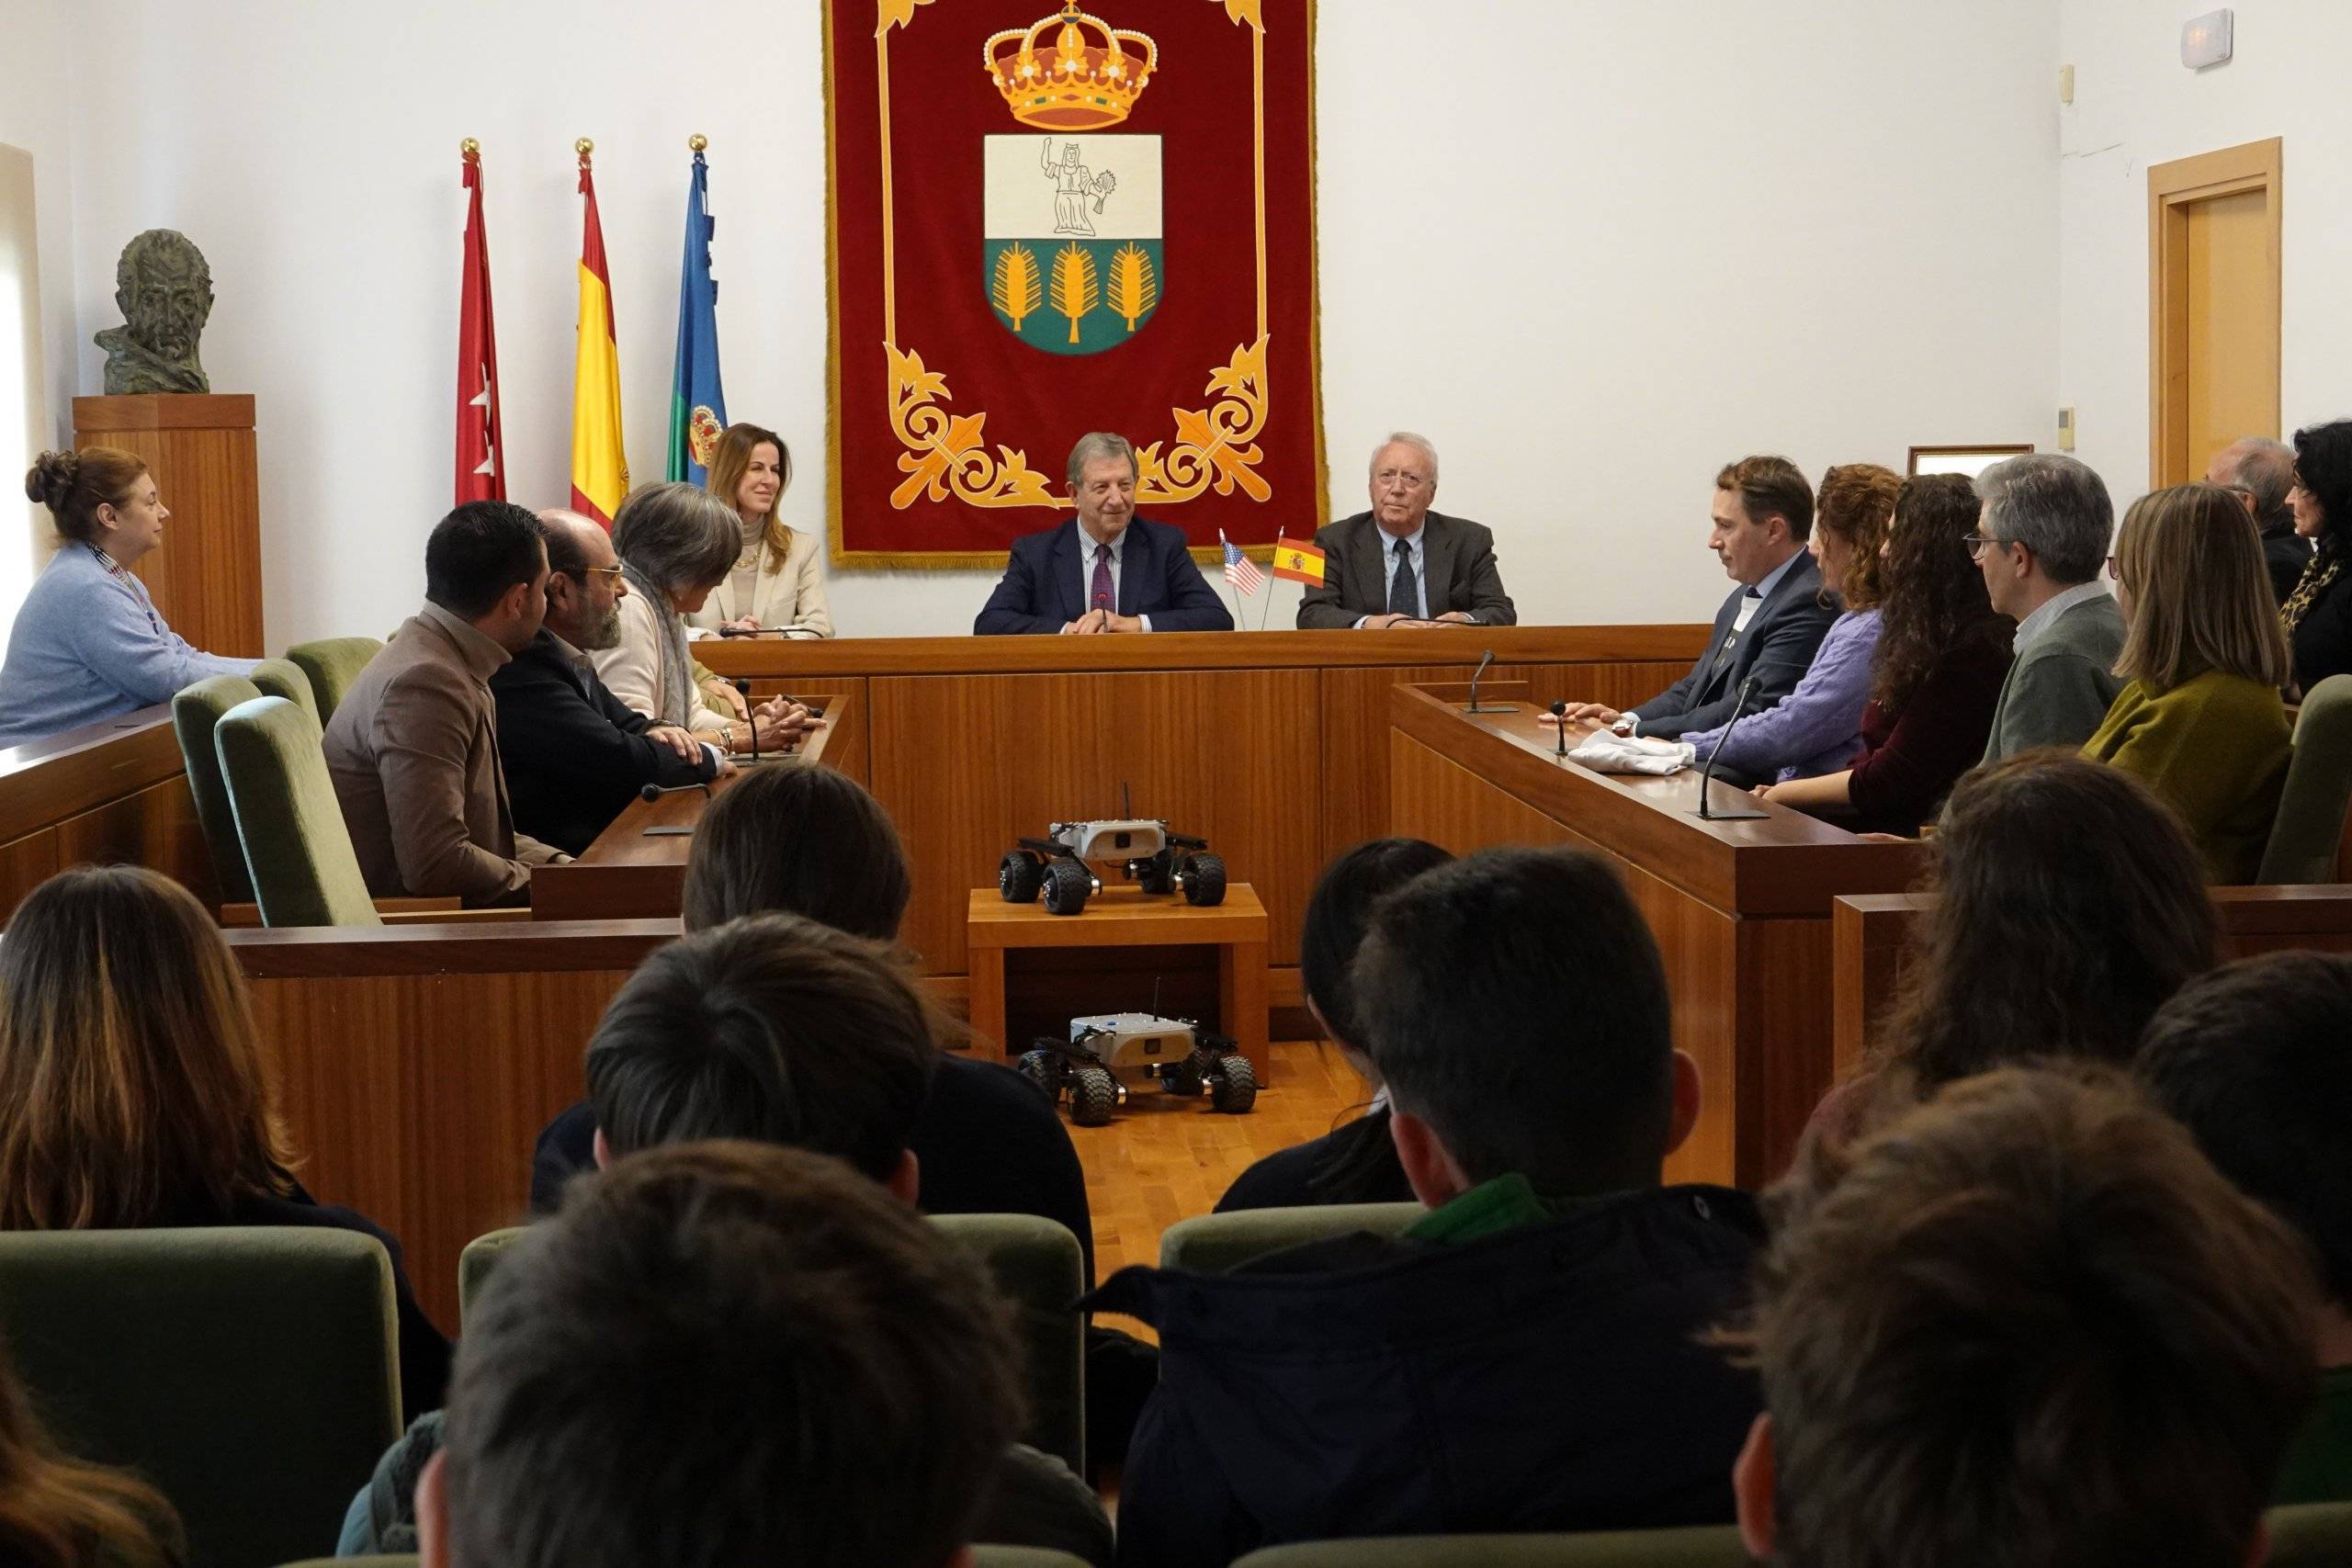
1511, 1363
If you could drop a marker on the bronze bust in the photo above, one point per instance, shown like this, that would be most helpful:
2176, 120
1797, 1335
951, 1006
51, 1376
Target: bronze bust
164, 288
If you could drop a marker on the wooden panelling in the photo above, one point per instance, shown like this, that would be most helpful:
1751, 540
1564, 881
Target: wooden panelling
416, 1064
966, 764
1871, 941
113, 791
206, 577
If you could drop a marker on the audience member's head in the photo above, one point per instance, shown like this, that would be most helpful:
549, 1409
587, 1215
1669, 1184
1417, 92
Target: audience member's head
802, 840
131, 1085
487, 563
2195, 593
87, 492
2044, 526
1339, 913
1516, 1004
2322, 496
1850, 522
584, 585
57, 1512
1934, 599
2026, 1325
724, 1354
2069, 905
680, 539
1762, 513
772, 1028
1404, 482
2258, 472
2255, 1060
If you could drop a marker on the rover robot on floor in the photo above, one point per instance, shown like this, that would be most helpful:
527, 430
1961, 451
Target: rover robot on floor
1105, 1053
1060, 865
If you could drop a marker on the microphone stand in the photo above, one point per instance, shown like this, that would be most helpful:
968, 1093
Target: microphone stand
743, 686
1707, 774
1476, 707
1560, 712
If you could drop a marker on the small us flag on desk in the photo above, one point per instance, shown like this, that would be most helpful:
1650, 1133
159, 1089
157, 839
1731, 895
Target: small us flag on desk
1239, 570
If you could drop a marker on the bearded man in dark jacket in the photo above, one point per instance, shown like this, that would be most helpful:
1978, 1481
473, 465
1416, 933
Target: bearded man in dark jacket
1530, 1355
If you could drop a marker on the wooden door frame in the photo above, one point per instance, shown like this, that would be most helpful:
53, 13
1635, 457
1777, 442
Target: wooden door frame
2173, 188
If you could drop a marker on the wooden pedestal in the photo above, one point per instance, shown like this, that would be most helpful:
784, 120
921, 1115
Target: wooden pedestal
206, 577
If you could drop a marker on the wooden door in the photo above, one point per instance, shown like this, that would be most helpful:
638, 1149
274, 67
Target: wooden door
2214, 297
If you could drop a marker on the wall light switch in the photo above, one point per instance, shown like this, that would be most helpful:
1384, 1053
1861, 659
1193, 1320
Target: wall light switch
2065, 84
2066, 428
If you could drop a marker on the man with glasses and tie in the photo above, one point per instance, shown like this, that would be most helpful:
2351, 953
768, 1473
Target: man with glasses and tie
1401, 563
574, 754
1771, 624
1107, 570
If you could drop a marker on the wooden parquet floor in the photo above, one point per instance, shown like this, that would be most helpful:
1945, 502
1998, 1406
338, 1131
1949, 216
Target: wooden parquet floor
1165, 1158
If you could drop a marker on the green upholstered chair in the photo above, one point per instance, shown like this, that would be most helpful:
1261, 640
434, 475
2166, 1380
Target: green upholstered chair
297, 848
1212, 1244
284, 677
2311, 1535
196, 710
1715, 1546
1038, 1265
2310, 825
251, 1373
332, 665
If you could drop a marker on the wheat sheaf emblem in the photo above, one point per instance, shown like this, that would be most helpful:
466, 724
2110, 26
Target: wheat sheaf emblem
1016, 289
1134, 290
1077, 289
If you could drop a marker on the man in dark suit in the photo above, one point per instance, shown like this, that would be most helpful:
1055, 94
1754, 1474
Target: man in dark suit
1400, 561
1771, 625
2262, 472
576, 754
1107, 570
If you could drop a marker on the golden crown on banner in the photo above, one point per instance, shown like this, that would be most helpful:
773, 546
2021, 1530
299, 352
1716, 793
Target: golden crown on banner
1091, 77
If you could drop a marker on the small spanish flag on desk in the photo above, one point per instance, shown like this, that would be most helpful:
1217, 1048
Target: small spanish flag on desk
1299, 563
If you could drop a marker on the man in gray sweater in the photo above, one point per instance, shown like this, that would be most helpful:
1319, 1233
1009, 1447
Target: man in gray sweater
2040, 542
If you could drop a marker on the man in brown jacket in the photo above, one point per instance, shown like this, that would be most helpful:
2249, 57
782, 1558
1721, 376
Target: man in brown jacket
413, 746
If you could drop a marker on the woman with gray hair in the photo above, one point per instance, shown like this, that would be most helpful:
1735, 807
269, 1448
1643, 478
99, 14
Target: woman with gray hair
676, 543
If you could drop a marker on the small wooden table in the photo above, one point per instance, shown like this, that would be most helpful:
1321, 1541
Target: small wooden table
1128, 916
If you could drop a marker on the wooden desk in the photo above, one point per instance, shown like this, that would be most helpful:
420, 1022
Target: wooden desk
1872, 944
1271, 744
630, 874
1741, 909
417, 1064
112, 791
1128, 916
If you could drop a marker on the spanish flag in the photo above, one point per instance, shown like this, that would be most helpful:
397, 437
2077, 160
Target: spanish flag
599, 461
1299, 563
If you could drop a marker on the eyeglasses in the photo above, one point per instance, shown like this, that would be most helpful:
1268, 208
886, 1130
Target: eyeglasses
1976, 542
612, 574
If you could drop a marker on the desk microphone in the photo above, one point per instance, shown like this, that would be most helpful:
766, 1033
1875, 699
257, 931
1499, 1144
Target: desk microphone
1560, 712
655, 792
744, 688
754, 631
1489, 707
1707, 774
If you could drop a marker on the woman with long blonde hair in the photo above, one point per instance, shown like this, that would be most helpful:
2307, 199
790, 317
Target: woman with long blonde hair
775, 585
133, 1093
2201, 721
57, 1512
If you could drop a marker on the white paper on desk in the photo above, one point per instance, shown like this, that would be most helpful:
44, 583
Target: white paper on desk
1607, 753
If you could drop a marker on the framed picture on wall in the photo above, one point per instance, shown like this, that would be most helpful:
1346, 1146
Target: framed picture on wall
1970, 460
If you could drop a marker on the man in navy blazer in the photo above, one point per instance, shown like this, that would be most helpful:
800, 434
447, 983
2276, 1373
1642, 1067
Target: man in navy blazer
1771, 624
1105, 570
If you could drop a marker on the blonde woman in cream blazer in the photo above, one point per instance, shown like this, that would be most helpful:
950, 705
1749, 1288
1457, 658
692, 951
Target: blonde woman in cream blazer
750, 468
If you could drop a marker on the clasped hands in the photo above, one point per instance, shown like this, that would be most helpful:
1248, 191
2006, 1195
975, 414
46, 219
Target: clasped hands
1451, 618
1100, 620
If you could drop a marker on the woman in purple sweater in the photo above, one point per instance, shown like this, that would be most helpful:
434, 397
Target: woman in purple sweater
1817, 728
1942, 656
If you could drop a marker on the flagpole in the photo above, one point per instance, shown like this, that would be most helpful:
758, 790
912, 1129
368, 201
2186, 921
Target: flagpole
1232, 589
1267, 614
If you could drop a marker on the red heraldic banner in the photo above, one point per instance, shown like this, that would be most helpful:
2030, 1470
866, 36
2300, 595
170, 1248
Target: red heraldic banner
1096, 218
481, 454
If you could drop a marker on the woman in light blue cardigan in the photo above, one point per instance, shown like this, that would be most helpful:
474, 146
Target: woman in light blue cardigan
1817, 728
87, 643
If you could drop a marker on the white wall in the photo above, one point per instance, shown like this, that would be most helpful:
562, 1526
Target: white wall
1592, 250
35, 115
2134, 105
